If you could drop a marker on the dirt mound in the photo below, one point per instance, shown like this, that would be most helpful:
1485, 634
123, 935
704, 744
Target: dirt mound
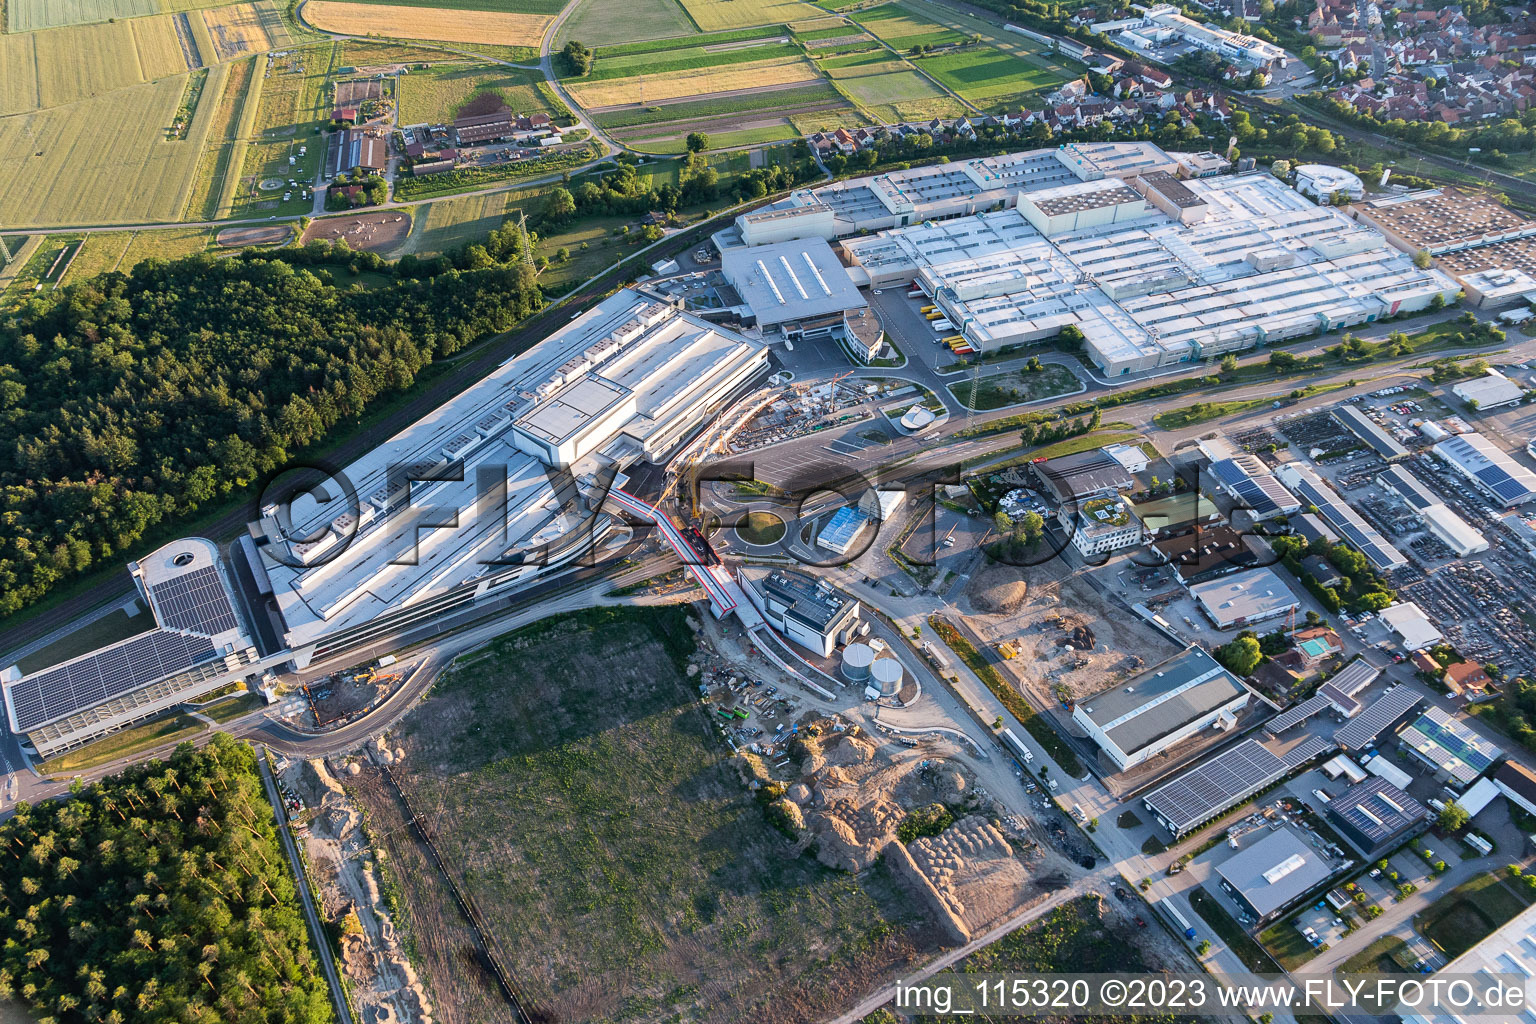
268, 234
998, 589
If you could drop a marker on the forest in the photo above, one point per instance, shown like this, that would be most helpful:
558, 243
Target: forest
125, 402
159, 894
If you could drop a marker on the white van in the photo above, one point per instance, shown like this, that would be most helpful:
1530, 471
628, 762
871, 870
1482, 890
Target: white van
942, 325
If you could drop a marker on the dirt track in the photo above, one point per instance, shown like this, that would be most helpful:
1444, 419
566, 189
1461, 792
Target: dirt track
232, 238
370, 232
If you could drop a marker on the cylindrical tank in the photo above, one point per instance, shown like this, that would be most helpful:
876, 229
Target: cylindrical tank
856, 661
886, 674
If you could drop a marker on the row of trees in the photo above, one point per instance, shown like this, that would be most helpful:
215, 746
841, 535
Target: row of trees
126, 402
157, 895
1495, 139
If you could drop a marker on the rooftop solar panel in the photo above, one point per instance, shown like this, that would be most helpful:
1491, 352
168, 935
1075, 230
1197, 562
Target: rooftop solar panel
1361, 730
195, 601
86, 682
1222, 782
1294, 716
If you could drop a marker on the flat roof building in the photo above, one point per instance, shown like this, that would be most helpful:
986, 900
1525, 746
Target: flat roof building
1162, 706
1455, 753
1354, 530
790, 282
1176, 513
1490, 468
1509, 949
1444, 220
1377, 816
1323, 181
1411, 625
1210, 553
1490, 391
1082, 475
194, 641
1453, 531
1256, 595
805, 608
1273, 873
1366, 429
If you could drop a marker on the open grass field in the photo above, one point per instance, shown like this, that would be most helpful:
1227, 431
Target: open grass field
226, 92
104, 160
900, 95
65, 65
646, 89
279, 118
904, 29
812, 95
400, 22
719, 40
677, 142
602, 22
450, 224
1029, 50
774, 47
100, 252
1012, 387
164, 244
1468, 913
435, 96
243, 29
851, 61
714, 15
579, 793
989, 78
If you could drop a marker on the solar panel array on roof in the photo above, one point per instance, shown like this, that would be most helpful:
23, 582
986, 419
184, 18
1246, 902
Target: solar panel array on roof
1355, 676
1295, 715
1377, 811
1451, 746
1220, 783
1408, 487
1363, 729
1356, 531
195, 601
1263, 495
1477, 457
88, 681
1306, 750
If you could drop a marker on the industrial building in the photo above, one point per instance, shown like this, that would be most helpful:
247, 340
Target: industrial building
354, 149
1509, 949
1401, 481
1176, 514
194, 642
1518, 784
1354, 419
804, 608
1080, 476
1379, 716
1339, 693
1244, 599
1490, 468
1162, 706
535, 449
1444, 220
1323, 181
1377, 816
795, 286
1452, 530
1211, 553
1222, 782
1452, 751
1414, 630
1164, 23
1273, 873
1346, 522
1247, 479
1490, 391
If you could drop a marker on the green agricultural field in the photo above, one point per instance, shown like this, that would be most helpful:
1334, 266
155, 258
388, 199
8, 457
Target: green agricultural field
30, 15
715, 15
450, 224
877, 56
768, 48
225, 92
818, 92
903, 29
435, 96
900, 95
989, 78
578, 791
741, 35
601, 22
103, 160
675, 144
1029, 50
165, 244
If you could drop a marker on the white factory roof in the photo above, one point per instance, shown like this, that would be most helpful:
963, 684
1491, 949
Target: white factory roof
1479, 796
628, 347
1263, 265
1252, 595
1454, 531
1489, 391
792, 280
1325, 179
1509, 949
1409, 622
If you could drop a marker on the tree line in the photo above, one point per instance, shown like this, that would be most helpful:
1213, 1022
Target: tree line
128, 402
160, 894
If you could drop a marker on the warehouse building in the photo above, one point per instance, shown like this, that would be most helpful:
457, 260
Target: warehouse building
1509, 950
1414, 630
1074, 478
1452, 751
1518, 784
1244, 599
1490, 468
1162, 706
805, 608
1339, 514
1444, 220
1211, 553
1490, 391
195, 642
354, 149
1272, 874
797, 287
1377, 816
1402, 482
1453, 531
1247, 479
1366, 429
1222, 782
479, 128
547, 434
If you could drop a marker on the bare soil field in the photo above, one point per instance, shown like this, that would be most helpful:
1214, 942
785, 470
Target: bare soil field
583, 800
644, 90
1072, 641
373, 232
231, 238
351, 93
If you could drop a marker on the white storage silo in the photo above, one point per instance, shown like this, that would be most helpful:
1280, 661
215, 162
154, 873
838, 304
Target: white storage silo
856, 661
